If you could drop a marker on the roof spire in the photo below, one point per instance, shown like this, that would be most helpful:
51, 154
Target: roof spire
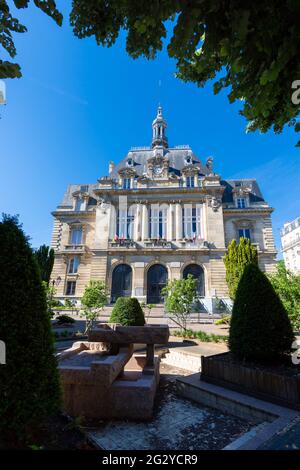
159, 126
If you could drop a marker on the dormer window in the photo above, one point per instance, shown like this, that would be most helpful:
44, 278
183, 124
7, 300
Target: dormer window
126, 183
241, 203
190, 181
79, 204
188, 160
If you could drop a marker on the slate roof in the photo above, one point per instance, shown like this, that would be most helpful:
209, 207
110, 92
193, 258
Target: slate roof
176, 157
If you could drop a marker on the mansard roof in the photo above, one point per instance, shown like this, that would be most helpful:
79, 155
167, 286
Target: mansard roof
175, 155
250, 185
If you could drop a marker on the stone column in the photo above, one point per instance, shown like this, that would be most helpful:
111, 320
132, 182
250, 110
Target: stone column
144, 222
170, 222
137, 223
178, 221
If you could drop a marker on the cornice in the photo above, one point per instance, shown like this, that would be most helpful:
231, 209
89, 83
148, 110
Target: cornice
247, 211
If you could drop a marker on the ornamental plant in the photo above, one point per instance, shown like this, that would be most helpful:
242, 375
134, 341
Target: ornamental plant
237, 257
29, 381
128, 312
260, 328
93, 300
180, 296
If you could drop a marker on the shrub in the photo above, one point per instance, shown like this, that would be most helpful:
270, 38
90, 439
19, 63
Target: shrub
260, 328
128, 312
237, 257
201, 335
93, 300
224, 320
29, 382
61, 319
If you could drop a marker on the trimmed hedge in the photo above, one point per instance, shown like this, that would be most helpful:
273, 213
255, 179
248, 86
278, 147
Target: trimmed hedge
29, 382
260, 328
128, 312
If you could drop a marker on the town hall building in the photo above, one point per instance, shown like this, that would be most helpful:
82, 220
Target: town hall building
160, 214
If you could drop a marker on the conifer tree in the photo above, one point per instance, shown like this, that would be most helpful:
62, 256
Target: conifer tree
260, 328
29, 381
238, 256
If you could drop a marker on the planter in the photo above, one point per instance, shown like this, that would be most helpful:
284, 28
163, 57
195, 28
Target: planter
278, 384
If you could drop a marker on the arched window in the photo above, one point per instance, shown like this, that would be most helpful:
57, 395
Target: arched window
197, 272
121, 282
157, 278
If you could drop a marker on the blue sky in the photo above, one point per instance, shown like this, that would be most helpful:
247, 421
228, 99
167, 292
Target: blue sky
79, 105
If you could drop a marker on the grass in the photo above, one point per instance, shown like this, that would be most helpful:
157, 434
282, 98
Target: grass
201, 336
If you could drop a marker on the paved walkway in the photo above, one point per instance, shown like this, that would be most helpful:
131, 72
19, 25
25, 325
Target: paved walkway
287, 439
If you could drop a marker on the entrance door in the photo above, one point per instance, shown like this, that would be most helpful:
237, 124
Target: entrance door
121, 282
197, 272
157, 278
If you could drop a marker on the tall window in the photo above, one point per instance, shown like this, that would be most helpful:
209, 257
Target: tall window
241, 202
190, 181
73, 265
244, 232
125, 222
191, 217
126, 183
80, 204
70, 287
76, 236
158, 222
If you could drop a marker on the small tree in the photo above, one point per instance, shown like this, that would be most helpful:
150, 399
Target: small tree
45, 260
287, 286
29, 382
237, 257
128, 312
93, 300
180, 296
260, 328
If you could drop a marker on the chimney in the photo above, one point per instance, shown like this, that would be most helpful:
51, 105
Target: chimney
111, 167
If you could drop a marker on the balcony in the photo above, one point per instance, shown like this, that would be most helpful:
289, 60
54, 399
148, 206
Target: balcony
74, 249
122, 243
158, 243
193, 243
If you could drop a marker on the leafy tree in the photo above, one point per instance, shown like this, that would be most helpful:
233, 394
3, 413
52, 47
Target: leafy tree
29, 382
260, 328
45, 260
128, 312
250, 48
180, 296
149, 307
9, 25
237, 257
93, 300
287, 286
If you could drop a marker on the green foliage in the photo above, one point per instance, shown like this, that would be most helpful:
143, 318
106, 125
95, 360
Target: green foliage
51, 302
9, 25
61, 319
287, 286
29, 382
93, 300
128, 312
180, 296
250, 48
224, 320
201, 335
45, 260
68, 304
237, 257
260, 328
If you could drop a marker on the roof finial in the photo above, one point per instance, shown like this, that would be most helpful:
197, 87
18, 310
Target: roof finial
159, 126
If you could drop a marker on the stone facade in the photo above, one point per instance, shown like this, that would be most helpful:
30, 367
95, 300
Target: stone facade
159, 215
290, 242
